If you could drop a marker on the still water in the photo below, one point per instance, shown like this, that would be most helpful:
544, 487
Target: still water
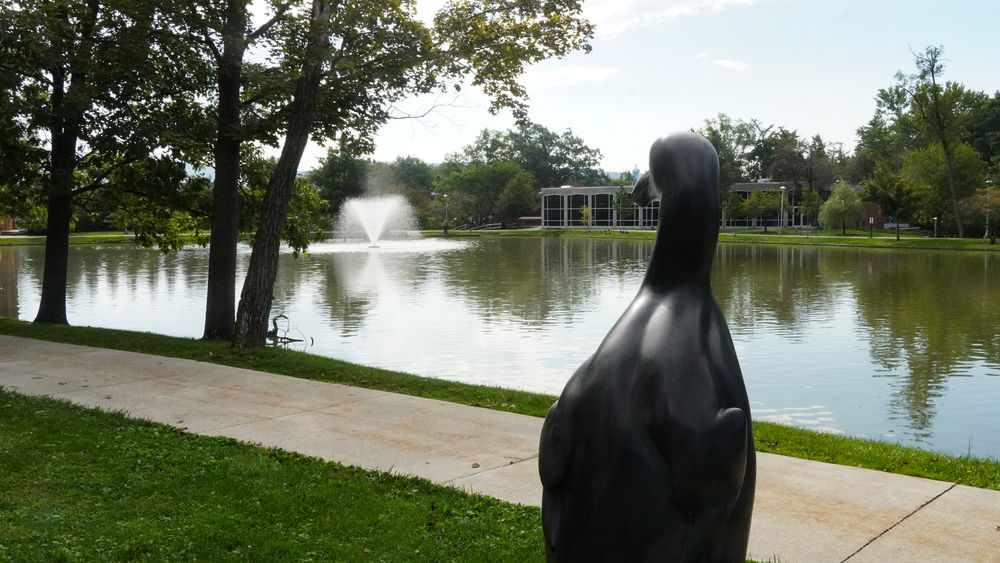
895, 345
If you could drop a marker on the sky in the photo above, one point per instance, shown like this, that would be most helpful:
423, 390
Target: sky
658, 66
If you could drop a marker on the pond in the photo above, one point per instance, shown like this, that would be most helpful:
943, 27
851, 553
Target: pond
894, 345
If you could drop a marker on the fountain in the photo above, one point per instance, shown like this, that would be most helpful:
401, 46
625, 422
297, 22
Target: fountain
378, 217
382, 223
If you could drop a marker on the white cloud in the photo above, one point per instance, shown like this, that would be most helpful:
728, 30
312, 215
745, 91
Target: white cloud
731, 65
613, 17
700, 56
541, 79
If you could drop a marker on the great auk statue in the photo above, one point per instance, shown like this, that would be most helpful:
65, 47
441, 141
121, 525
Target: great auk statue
648, 454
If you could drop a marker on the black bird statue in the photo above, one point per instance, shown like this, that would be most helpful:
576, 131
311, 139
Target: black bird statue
648, 454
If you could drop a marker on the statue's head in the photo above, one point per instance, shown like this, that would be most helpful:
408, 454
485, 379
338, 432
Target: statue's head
684, 176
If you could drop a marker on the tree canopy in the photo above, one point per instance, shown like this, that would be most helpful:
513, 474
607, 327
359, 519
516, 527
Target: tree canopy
553, 159
843, 209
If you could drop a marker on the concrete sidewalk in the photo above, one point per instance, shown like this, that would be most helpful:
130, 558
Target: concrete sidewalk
804, 511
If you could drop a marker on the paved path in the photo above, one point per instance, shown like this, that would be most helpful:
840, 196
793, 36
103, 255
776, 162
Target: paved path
804, 511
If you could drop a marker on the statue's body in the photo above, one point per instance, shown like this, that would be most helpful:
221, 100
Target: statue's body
648, 454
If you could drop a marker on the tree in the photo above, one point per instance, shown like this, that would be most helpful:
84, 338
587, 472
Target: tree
929, 178
553, 159
819, 169
501, 190
941, 110
762, 204
623, 206
734, 141
809, 204
887, 189
984, 129
517, 198
359, 59
586, 217
225, 34
92, 91
626, 179
843, 208
413, 173
338, 177
780, 156
732, 207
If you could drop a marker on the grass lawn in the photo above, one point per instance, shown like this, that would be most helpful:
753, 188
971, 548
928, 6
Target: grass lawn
84, 485
110, 237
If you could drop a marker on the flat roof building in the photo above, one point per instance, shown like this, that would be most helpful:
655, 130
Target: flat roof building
563, 208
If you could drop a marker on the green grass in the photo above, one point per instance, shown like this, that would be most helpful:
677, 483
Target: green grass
828, 237
84, 485
111, 237
774, 438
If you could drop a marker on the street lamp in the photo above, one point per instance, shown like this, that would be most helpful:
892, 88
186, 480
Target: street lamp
871, 223
445, 198
781, 214
935, 227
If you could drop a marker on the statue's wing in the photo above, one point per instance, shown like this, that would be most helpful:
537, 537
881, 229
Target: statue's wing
708, 474
554, 446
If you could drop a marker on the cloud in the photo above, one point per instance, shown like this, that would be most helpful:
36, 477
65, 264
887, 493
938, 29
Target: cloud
613, 17
541, 79
731, 65
700, 56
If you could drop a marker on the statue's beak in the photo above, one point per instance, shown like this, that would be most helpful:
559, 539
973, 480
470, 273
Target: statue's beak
644, 191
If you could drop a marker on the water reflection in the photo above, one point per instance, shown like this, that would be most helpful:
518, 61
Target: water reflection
894, 345
8, 284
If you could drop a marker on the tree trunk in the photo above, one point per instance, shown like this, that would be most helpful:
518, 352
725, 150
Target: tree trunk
949, 165
220, 303
64, 127
52, 308
255, 300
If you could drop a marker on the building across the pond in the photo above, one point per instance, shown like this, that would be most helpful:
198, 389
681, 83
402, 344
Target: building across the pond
563, 208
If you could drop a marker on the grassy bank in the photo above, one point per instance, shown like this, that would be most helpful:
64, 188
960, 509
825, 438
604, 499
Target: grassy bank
79, 238
826, 237
74, 238
772, 438
85, 485
830, 237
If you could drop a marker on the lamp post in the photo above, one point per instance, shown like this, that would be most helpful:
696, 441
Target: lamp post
781, 214
445, 198
871, 222
935, 227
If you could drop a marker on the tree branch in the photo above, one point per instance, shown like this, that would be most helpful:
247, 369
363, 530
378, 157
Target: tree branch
278, 16
100, 177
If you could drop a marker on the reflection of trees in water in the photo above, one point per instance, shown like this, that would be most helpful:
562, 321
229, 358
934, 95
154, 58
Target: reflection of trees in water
930, 315
535, 280
8, 283
772, 287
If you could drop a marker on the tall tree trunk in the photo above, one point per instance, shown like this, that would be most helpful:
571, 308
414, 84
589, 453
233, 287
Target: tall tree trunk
52, 308
258, 287
950, 166
220, 302
65, 130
